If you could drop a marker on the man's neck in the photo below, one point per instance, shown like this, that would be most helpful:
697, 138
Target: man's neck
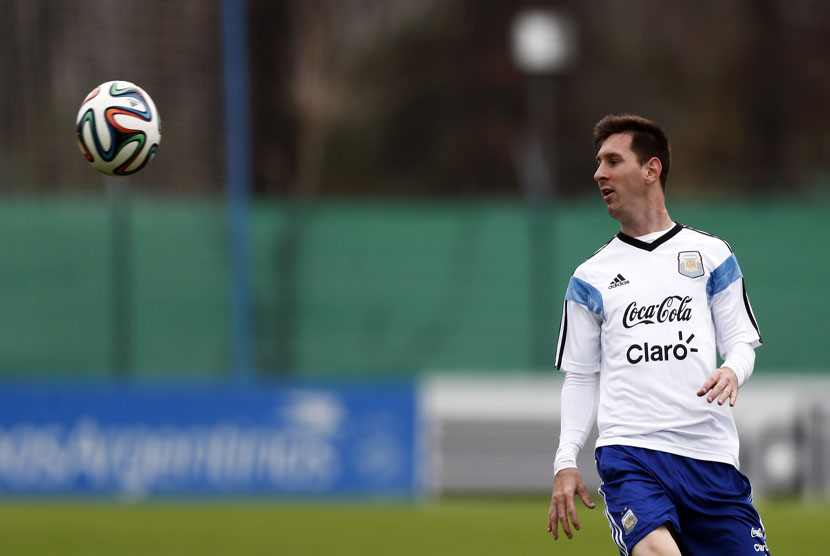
647, 224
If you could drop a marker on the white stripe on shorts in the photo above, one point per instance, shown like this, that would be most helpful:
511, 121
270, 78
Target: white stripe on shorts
616, 532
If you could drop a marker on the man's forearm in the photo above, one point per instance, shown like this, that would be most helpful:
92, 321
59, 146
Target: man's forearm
577, 417
741, 359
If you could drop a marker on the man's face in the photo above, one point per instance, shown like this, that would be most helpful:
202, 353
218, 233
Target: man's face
621, 178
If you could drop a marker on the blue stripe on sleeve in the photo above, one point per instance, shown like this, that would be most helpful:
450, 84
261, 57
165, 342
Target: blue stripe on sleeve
721, 277
584, 293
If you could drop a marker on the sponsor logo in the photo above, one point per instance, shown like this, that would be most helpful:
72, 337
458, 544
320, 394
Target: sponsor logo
618, 281
756, 533
672, 309
760, 534
646, 353
690, 263
629, 521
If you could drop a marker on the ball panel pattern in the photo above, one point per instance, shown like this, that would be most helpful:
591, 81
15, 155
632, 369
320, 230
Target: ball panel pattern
118, 128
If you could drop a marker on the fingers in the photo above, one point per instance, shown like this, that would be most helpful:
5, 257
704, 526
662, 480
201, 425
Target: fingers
725, 395
553, 518
563, 517
559, 513
572, 515
721, 385
707, 385
563, 508
719, 391
730, 392
583, 495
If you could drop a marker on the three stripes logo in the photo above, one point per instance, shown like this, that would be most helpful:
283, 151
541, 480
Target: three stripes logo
618, 281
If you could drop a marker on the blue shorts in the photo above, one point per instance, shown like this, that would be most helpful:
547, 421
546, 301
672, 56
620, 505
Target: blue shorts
706, 505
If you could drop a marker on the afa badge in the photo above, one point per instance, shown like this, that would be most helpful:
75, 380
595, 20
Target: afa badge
690, 263
629, 521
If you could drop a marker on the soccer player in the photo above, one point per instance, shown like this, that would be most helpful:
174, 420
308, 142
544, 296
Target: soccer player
645, 315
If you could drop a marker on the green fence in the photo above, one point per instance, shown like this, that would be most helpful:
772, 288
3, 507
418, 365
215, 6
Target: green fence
356, 289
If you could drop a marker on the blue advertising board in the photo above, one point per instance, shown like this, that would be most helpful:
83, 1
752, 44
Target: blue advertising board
291, 440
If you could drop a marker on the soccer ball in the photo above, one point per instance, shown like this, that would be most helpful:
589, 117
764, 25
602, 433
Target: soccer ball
119, 129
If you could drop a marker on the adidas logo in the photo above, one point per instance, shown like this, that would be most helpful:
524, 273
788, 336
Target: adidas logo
618, 281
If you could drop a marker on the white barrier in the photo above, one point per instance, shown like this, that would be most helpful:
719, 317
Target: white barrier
486, 434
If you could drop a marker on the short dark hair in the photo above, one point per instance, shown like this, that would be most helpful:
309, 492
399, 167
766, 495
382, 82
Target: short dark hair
647, 139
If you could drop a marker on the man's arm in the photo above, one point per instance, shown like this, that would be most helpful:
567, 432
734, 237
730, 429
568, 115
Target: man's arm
578, 409
736, 333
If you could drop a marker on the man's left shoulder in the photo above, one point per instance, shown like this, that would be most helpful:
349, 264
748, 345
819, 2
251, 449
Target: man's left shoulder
712, 243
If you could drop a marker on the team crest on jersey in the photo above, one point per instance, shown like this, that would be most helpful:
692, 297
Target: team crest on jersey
690, 263
629, 521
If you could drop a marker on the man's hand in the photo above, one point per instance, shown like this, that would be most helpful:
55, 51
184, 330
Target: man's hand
721, 384
566, 485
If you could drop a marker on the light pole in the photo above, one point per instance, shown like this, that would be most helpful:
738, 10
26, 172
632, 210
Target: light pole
543, 45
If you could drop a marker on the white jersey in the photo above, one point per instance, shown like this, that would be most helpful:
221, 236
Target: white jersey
649, 317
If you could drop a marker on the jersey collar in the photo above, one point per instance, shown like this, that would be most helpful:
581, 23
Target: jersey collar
634, 242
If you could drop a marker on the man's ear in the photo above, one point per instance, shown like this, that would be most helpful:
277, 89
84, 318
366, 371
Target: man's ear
653, 169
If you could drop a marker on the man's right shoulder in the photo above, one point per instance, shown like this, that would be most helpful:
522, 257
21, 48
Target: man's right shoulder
596, 260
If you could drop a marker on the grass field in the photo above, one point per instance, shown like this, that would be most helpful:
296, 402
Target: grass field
493, 526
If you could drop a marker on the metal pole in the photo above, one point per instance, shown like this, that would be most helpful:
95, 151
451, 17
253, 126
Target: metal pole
537, 178
120, 253
238, 179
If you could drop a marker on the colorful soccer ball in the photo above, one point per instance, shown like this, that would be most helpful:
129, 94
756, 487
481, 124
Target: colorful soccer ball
119, 129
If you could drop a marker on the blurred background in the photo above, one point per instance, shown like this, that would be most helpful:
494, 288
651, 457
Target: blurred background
343, 272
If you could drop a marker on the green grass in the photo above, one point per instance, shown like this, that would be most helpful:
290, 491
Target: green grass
505, 526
